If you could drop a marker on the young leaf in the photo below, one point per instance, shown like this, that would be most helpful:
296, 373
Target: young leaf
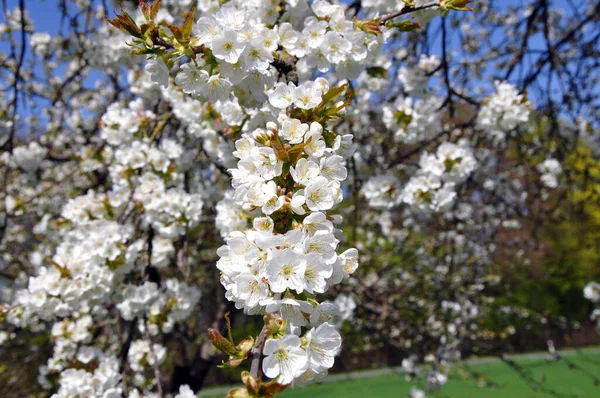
154, 9
145, 7
187, 25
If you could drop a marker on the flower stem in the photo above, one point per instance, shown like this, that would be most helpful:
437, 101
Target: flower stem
256, 351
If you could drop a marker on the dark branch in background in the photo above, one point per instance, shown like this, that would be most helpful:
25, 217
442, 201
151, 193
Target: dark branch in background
194, 372
551, 51
445, 69
19, 59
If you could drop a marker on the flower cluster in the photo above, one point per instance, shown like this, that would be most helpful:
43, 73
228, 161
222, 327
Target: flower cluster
81, 275
503, 112
288, 178
142, 356
415, 80
28, 157
103, 382
162, 306
107, 242
242, 43
550, 169
110, 204
383, 192
433, 187
413, 120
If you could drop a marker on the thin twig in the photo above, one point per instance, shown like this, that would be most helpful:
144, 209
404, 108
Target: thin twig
407, 10
257, 351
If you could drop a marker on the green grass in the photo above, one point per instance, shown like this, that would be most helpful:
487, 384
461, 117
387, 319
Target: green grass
570, 378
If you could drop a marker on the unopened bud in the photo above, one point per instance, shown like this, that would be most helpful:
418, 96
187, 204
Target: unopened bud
276, 326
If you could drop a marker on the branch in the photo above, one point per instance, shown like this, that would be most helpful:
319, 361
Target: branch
9, 143
407, 10
530, 78
257, 351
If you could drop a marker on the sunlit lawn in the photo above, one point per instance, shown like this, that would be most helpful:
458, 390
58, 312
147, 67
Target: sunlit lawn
576, 376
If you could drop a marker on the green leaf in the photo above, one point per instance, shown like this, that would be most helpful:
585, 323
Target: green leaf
187, 25
296, 151
333, 92
377, 71
177, 33
404, 26
124, 24
221, 343
277, 146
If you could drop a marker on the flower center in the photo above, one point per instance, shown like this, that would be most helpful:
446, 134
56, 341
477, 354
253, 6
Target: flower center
281, 354
287, 271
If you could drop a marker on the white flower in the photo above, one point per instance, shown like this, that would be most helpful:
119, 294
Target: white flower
283, 95
286, 271
591, 291
453, 163
315, 145
251, 289
217, 88
141, 354
335, 48
230, 16
293, 130
284, 359
227, 46
504, 111
191, 79
307, 95
257, 56
333, 168
266, 162
317, 221
325, 312
291, 310
304, 172
550, 169
159, 73
185, 392
272, 202
414, 121
287, 35
322, 343
323, 8
319, 194
426, 193
316, 274
30, 157
208, 28
314, 31
383, 191
549, 180
322, 243
346, 264
298, 202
